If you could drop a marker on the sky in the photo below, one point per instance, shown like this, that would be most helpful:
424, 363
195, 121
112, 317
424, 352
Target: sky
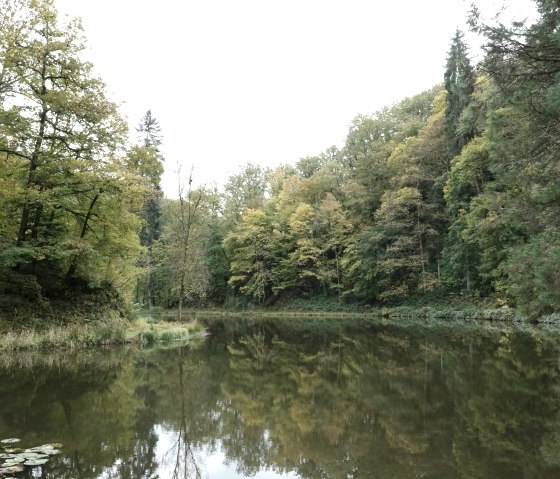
211, 460
266, 82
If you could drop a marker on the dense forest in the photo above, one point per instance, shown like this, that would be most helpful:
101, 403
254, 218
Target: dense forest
452, 192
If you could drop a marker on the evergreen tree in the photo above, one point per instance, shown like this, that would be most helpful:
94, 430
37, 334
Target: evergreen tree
459, 83
523, 147
149, 130
148, 161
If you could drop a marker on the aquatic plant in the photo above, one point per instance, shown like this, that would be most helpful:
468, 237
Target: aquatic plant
15, 459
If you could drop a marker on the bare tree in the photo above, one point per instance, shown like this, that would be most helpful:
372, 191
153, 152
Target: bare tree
190, 271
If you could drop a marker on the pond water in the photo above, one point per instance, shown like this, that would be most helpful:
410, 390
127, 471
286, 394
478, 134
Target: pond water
296, 399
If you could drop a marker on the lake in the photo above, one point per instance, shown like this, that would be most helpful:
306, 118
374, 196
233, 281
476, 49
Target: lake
309, 398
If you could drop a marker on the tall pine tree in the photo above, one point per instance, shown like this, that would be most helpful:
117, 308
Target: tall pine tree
459, 83
149, 162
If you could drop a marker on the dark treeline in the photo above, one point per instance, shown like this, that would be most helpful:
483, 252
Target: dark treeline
453, 191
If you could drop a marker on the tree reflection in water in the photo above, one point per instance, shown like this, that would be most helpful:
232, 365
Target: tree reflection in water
314, 400
186, 463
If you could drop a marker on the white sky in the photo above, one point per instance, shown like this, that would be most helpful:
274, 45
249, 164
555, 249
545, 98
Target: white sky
263, 81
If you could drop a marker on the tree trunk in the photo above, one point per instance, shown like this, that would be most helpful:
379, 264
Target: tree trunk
337, 272
33, 164
181, 295
468, 274
149, 293
74, 265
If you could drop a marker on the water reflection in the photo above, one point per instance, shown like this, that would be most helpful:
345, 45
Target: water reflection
285, 399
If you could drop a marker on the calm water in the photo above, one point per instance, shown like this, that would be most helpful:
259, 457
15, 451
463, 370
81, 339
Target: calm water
281, 399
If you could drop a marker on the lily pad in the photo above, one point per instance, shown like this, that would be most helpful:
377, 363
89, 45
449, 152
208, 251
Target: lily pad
11, 440
36, 462
54, 445
13, 459
47, 449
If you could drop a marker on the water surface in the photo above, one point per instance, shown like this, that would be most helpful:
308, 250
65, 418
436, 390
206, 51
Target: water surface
292, 399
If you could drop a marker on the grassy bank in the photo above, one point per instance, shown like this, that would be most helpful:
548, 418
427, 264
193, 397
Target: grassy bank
159, 325
82, 319
97, 333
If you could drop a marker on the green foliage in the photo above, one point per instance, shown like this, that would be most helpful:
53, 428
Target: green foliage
453, 190
459, 83
250, 246
450, 191
147, 161
245, 191
181, 273
533, 274
301, 266
69, 196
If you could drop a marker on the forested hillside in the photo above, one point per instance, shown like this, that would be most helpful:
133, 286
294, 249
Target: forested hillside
72, 189
455, 191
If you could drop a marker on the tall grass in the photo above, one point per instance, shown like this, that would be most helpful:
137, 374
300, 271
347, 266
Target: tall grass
148, 332
90, 335
74, 336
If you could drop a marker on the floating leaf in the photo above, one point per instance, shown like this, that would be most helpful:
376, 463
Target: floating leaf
45, 447
12, 460
36, 462
45, 450
11, 440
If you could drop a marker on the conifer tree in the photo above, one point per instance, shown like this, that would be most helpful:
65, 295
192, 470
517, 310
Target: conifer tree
149, 162
459, 83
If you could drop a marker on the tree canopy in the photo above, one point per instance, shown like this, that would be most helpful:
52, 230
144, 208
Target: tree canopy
454, 191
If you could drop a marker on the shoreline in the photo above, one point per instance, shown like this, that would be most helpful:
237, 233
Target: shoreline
93, 335
148, 328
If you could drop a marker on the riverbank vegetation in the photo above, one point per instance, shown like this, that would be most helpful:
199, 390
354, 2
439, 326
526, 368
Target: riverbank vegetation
451, 193
84, 335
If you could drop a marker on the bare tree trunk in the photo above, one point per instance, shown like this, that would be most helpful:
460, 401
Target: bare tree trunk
189, 208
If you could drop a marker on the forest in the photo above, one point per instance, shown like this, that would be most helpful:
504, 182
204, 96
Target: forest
454, 192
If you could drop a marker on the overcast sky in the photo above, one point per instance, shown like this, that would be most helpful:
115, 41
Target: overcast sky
263, 81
